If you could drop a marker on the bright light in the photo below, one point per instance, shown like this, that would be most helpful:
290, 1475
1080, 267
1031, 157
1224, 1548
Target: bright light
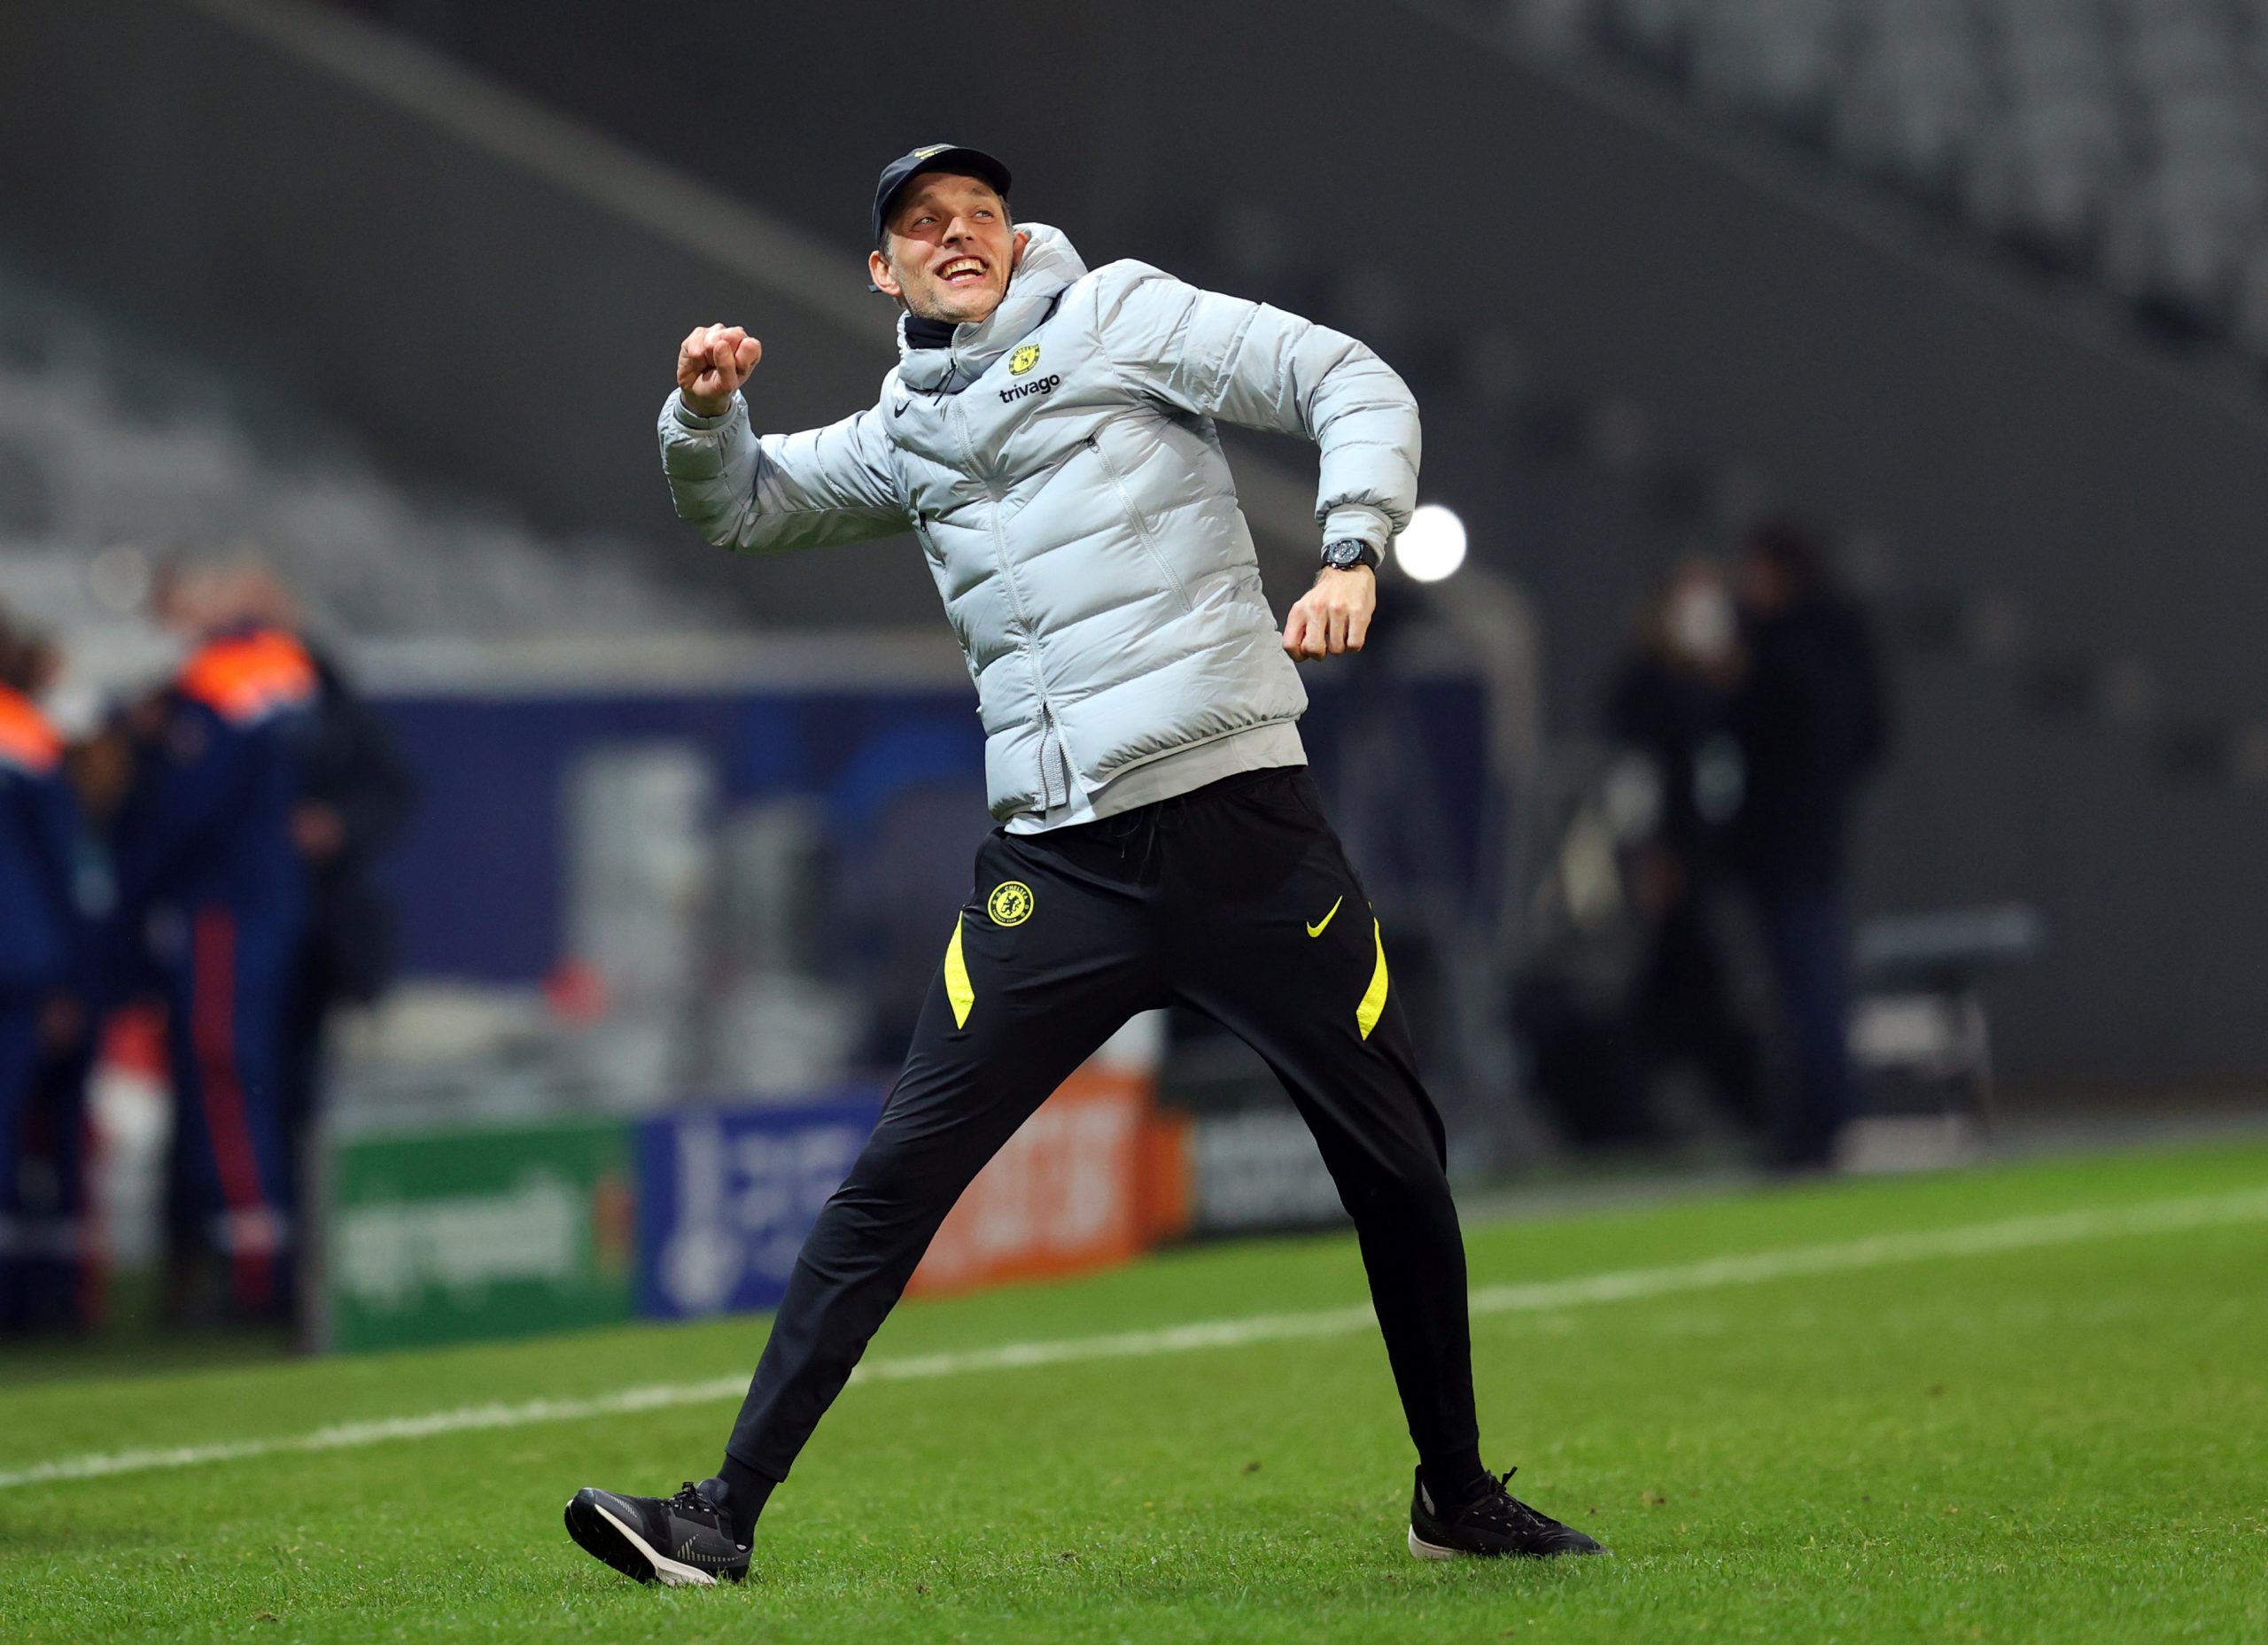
1433, 546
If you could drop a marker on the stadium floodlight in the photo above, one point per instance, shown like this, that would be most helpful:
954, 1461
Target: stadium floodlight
1433, 547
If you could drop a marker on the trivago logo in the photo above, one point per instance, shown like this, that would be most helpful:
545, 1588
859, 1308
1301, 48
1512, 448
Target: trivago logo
1047, 384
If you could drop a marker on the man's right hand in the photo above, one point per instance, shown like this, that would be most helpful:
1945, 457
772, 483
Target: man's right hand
711, 363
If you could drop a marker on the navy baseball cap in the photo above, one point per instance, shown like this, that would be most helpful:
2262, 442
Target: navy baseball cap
934, 156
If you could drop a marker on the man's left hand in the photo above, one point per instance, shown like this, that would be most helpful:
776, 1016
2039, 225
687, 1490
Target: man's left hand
1332, 616
318, 830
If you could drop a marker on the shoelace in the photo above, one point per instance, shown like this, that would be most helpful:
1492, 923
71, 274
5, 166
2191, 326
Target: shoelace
691, 1500
1502, 1505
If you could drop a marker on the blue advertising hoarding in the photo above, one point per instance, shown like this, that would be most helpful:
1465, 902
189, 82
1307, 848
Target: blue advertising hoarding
727, 1195
478, 880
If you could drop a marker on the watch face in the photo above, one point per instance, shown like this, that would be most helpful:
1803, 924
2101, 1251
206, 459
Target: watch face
1342, 555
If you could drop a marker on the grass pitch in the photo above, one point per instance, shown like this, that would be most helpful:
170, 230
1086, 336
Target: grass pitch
2056, 1431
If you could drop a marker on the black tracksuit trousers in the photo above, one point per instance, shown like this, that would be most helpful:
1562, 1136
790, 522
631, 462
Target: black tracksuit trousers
1235, 899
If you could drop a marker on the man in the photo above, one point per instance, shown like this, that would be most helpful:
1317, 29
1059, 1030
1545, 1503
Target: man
1670, 705
1812, 725
356, 800
42, 957
1048, 437
209, 876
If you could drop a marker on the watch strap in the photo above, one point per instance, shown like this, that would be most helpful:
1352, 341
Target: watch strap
1364, 554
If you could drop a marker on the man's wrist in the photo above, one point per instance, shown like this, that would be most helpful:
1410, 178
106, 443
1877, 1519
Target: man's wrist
687, 409
1346, 554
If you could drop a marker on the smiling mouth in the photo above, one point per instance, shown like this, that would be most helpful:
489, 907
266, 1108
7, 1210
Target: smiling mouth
962, 271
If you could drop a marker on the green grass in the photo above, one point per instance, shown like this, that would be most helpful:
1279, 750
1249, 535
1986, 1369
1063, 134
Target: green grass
2062, 1443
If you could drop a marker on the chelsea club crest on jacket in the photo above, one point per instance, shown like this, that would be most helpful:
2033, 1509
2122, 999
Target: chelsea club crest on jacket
1059, 466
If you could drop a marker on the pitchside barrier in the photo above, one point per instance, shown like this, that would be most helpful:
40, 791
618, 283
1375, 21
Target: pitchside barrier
497, 1232
464, 1233
705, 864
726, 1194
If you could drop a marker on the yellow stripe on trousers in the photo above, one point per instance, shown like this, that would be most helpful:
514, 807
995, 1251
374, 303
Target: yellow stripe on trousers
1374, 1006
959, 990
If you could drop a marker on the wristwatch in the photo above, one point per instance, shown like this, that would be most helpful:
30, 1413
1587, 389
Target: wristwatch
1344, 554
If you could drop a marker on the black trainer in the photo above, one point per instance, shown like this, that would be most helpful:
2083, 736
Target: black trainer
686, 1541
1496, 1524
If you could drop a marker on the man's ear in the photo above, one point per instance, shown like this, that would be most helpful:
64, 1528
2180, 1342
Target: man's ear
878, 271
1016, 260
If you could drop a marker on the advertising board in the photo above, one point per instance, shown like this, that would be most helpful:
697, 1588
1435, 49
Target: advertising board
454, 1235
728, 1194
1064, 1194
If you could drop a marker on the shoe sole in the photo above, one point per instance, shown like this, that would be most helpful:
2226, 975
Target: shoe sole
1420, 1548
610, 1543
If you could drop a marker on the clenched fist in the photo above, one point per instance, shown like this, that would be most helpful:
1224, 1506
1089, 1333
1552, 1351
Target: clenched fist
711, 363
1334, 615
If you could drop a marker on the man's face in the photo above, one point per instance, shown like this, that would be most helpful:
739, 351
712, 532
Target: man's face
952, 250
1764, 587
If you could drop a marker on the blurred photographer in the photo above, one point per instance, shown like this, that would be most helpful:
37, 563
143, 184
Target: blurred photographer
1671, 707
1811, 721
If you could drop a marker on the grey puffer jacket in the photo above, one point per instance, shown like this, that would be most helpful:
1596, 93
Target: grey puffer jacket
1059, 466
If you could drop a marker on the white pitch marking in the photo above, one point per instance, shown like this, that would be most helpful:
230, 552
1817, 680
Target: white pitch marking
1710, 1274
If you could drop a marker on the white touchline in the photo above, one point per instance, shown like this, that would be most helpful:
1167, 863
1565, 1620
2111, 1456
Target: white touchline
1709, 1274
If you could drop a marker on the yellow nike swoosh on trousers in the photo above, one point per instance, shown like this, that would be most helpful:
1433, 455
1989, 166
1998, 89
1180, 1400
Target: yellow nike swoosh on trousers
1317, 928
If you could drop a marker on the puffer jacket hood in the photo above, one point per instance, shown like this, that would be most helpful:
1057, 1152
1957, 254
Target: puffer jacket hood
1059, 466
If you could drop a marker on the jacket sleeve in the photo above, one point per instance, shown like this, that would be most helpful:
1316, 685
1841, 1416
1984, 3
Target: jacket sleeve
355, 765
1217, 356
752, 494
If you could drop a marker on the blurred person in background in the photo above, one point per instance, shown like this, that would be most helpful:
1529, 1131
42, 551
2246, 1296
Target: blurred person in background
357, 796
211, 878
1671, 705
44, 947
1812, 720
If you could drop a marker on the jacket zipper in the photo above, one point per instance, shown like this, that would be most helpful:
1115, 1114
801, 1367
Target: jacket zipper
1141, 528
1049, 733
1052, 759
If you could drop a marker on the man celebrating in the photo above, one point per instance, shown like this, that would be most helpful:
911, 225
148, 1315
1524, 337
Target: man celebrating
1048, 435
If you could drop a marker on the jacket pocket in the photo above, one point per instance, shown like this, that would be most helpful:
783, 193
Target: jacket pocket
930, 549
1139, 525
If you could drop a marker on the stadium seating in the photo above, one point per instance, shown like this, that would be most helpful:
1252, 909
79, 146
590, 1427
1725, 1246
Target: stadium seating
2125, 141
102, 447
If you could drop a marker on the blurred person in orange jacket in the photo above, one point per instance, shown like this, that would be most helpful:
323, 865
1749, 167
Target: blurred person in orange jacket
356, 799
44, 951
211, 877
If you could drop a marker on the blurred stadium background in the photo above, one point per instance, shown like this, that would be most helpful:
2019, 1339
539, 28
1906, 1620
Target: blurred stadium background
361, 306
380, 294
